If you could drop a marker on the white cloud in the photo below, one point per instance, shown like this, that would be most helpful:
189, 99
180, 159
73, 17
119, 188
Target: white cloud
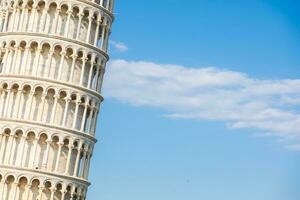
119, 46
269, 106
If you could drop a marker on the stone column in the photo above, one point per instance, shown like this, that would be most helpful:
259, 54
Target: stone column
41, 188
83, 164
74, 56
97, 30
18, 104
67, 99
60, 145
7, 104
37, 61
30, 101
84, 116
70, 146
6, 19
68, 23
80, 16
77, 159
44, 95
84, 60
102, 45
54, 108
35, 146
12, 150
98, 68
20, 156
77, 103
91, 71
9, 148
5, 58
2, 148
55, 22
32, 19
62, 59
26, 55
43, 20
13, 18
49, 62
45, 160
90, 17
53, 189
14, 190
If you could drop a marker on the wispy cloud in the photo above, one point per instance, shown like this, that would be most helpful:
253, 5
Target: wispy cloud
269, 106
119, 46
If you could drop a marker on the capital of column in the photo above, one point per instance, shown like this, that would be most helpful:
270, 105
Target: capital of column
80, 15
79, 148
71, 146
41, 187
77, 102
60, 144
51, 52
74, 56
68, 99
56, 96
44, 95
53, 189
39, 49
63, 53
58, 10
28, 185
48, 141
69, 12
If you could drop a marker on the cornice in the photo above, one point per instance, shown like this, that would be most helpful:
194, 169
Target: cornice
28, 78
42, 173
108, 12
46, 36
52, 128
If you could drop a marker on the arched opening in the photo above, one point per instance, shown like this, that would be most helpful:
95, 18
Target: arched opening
3, 98
34, 189
28, 159
16, 147
41, 151
24, 110
53, 153
58, 192
9, 187
45, 53
37, 109
5, 146
50, 98
62, 22
46, 194
51, 27
22, 188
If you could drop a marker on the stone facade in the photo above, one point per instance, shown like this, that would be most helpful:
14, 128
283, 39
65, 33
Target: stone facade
53, 56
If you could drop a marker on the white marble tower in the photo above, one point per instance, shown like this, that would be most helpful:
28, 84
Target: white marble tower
52, 60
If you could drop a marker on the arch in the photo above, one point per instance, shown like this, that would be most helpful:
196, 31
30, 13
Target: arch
22, 183
34, 188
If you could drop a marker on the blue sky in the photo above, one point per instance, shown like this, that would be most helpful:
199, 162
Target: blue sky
202, 102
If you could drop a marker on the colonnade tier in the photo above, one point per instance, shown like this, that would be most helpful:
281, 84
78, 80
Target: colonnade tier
42, 103
43, 151
54, 60
70, 19
20, 185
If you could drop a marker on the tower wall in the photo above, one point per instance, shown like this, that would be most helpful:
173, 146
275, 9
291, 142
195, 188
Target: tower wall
52, 61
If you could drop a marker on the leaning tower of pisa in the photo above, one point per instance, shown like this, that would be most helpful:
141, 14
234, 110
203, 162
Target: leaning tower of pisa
52, 61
